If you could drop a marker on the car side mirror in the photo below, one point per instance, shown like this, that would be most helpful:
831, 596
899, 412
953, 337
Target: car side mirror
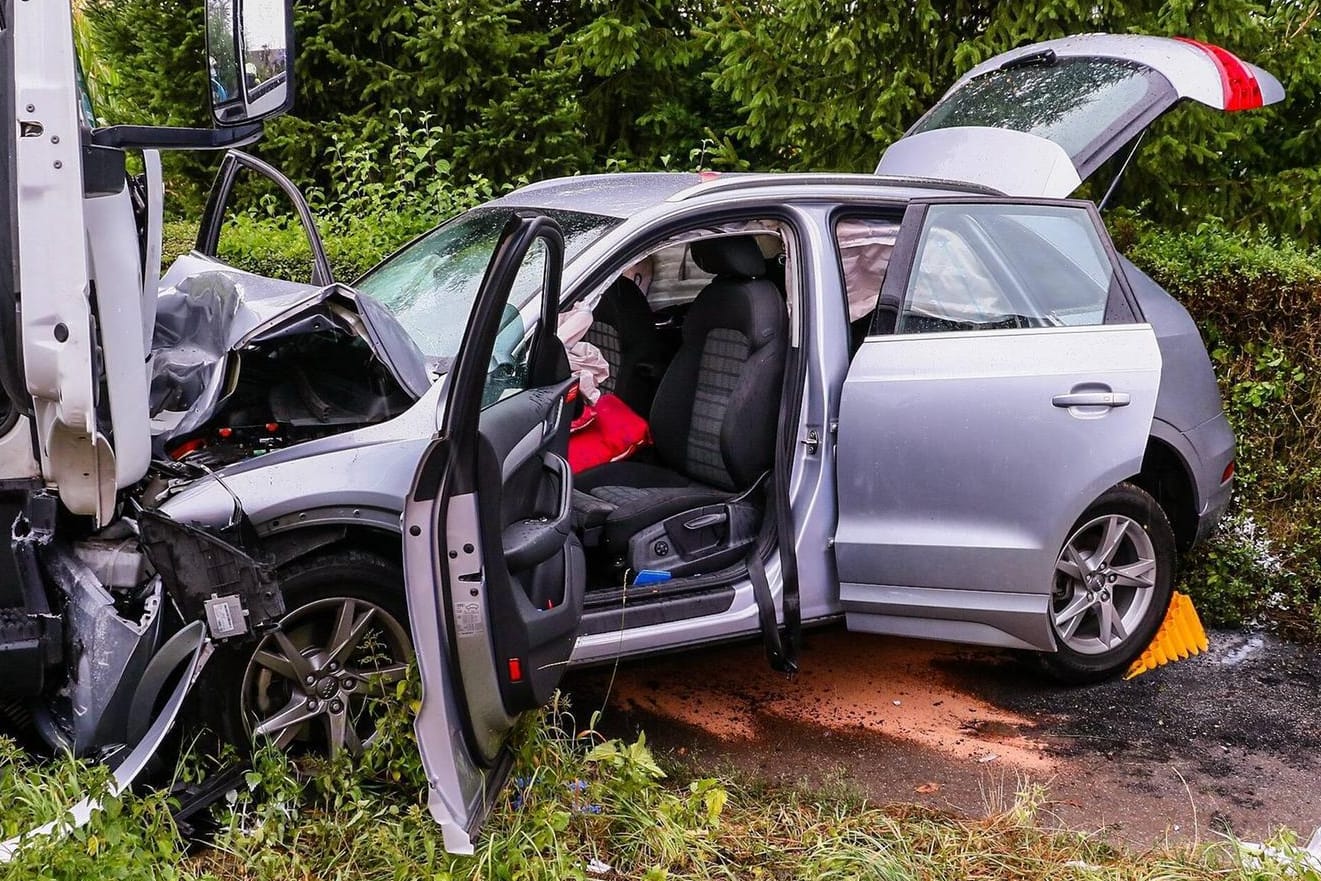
249, 59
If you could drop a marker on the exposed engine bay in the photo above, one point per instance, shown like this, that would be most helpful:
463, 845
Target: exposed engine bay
242, 365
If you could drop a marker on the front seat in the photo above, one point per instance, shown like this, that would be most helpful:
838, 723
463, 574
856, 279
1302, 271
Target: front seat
624, 329
714, 416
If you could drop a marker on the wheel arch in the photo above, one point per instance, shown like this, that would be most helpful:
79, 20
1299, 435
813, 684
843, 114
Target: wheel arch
1165, 475
297, 536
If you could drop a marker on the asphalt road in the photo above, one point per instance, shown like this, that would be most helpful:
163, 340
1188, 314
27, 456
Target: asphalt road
1226, 742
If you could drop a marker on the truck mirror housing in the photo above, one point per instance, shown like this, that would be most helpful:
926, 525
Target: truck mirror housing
249, 59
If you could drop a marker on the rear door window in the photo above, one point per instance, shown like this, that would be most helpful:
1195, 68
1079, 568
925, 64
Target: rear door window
998, 267
865, 245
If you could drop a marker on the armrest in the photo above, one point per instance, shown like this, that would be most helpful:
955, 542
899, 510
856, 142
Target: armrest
535, 540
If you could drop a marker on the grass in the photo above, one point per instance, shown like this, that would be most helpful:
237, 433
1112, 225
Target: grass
578, 804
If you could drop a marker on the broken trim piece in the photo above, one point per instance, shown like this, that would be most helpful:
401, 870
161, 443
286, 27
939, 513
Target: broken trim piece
199, 569
134, 763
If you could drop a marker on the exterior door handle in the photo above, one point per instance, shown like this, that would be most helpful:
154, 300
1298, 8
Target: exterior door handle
1092, 399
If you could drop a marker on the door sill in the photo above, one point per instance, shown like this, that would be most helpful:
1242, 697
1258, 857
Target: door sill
614, 597
657, 609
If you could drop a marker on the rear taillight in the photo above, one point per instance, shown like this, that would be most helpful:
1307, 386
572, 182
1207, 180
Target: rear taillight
1229, 472
1242, 91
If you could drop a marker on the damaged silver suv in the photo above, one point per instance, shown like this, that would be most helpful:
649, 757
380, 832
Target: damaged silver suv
931, 401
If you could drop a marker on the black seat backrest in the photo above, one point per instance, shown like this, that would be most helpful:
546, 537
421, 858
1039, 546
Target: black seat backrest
624, 329
714, 416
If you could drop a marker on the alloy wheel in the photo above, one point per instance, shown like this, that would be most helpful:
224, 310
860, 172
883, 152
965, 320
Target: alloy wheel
317, 682
1105, 580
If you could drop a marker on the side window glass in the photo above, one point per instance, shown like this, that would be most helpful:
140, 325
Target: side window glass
865, 245
510, 369
993, 267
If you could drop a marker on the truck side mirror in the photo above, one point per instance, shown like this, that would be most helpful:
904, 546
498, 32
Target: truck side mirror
249, 59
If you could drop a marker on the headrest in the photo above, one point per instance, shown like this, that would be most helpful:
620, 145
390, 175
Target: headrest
753, 307
729, 255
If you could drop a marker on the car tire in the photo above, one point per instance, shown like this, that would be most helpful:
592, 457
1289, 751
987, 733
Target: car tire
250, 693
1120, 554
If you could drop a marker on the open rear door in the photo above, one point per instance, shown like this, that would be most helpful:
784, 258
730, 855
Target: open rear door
495, 576
1039, 120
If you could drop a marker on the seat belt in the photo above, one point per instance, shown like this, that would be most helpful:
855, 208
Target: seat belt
781, 646
761, 594
784, 539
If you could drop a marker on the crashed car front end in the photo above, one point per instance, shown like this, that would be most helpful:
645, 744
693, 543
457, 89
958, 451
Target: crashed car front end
242, 367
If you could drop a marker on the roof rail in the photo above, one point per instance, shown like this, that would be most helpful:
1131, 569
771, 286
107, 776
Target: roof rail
771, 179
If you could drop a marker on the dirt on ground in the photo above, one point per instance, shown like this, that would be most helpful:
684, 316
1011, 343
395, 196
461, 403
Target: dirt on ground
1227, 742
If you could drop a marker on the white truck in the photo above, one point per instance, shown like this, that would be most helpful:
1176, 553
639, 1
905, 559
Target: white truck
80, 248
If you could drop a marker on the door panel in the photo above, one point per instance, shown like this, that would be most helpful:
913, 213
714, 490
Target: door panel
78, 290
495, 578
1008, 384
973, 474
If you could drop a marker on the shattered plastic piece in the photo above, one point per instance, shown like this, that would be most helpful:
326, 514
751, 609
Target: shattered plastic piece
1181, 635
132, 765
596, 867
1296, 861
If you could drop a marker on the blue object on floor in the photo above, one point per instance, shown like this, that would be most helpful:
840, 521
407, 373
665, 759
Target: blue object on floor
650, 576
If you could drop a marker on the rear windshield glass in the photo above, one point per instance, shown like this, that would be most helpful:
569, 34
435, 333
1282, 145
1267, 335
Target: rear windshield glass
1073, 101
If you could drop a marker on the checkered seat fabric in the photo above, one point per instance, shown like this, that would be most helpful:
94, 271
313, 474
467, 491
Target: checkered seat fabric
624, 329
714, 415
606, 338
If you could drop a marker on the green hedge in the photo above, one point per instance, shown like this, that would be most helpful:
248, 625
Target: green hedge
279, 249
514, 89
1257, 299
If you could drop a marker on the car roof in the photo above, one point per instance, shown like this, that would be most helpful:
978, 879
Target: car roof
624, 195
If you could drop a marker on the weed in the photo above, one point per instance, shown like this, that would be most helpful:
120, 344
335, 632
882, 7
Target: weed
578, 804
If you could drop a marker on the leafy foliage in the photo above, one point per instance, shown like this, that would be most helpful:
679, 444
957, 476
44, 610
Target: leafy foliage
505, 90
530, 90
1257, 299
360, 217
830, 84
515, 90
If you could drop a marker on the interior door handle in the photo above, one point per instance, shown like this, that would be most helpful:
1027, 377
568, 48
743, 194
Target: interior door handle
1092, 399
535, 540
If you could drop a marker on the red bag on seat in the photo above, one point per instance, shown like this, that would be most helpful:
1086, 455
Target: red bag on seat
607, 431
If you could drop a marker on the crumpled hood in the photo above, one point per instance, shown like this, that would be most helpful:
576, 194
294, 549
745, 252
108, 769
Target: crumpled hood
207, 309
